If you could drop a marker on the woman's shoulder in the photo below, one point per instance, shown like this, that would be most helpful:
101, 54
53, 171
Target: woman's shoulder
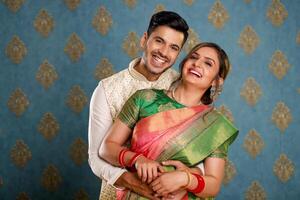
147, 94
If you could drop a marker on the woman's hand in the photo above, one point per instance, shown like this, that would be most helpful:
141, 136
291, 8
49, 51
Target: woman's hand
177, 164
182, 167
169, 182
147, 169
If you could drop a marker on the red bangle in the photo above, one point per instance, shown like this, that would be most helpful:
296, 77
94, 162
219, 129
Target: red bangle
200, 184
121, 157
133, 159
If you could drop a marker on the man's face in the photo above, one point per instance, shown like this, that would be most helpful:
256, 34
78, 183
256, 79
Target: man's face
161, 49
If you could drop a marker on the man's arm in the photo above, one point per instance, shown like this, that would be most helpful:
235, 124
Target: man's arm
100, 121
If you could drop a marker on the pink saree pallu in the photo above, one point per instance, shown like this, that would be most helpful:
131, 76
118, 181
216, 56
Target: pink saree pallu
185, 134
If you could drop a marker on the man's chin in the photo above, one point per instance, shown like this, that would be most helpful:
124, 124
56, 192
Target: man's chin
158, 70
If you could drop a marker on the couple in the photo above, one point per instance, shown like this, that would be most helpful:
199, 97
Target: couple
173, 128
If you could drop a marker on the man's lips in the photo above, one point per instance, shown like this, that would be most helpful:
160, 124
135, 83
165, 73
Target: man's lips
159, 59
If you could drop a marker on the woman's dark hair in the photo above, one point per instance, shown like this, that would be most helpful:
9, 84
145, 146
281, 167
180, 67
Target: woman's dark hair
170, 19
223, 70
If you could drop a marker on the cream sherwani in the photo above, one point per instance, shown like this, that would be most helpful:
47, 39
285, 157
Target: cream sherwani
106, 102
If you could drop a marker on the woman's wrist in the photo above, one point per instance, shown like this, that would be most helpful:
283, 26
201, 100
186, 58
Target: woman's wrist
199, 186
188, 178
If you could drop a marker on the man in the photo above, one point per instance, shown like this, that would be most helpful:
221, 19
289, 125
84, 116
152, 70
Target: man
162, 43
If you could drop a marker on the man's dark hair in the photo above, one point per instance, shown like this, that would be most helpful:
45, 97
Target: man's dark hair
170, 19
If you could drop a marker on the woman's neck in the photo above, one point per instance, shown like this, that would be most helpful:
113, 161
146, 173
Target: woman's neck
187, 95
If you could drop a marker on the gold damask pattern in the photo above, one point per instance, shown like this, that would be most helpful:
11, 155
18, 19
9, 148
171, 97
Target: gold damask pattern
48, 126
72, 4
276, 13
18, 102
218, 15
281, 116
46, 74
283, 168
81, 195
130, 3
102, 21
298, 38
159, 7
225, 111
279, 64
14, 5
192, 40
44, 23
76, 99
108, 192
248, 40
253, 143
16, 50
149, 96
23, 196
165, 107
230, 172
20, 154
255, 192
74, 47
131, 45
251, 91
78, 151
188, 2
103, 70
51, 179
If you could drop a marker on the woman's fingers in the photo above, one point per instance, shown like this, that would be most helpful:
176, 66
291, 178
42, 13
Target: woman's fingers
144, 173
174, 163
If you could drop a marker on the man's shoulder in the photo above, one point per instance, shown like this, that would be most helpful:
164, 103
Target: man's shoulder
118, 75
171, 74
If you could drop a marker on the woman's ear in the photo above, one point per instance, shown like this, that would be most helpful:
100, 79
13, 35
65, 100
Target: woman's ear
143, 40
217, 82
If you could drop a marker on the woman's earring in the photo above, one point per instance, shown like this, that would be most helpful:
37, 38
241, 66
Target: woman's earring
215, 92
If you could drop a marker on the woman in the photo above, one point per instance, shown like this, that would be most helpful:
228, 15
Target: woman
179, 124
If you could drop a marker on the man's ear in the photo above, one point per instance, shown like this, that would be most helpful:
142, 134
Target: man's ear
143, 40
218, 81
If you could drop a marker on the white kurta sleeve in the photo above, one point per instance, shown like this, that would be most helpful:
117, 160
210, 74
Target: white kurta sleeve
100, 121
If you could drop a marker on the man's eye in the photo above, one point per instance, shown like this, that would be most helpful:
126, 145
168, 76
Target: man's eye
175, 48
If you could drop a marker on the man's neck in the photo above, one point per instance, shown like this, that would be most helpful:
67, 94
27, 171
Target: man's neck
140, 66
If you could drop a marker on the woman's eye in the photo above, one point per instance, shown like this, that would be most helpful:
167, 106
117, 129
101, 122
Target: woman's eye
193, 57
208, 63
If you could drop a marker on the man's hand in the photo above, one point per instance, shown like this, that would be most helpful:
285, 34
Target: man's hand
131, 181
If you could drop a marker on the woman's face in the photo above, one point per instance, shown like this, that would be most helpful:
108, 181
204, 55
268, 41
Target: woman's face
201, 68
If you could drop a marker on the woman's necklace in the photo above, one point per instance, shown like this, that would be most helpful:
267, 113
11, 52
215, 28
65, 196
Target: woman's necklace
173, 96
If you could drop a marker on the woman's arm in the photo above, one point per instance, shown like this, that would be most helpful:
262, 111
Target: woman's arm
214, 173
112, 146
113, 142
172, 181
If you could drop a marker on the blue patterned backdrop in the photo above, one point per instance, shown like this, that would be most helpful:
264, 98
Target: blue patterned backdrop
53, 53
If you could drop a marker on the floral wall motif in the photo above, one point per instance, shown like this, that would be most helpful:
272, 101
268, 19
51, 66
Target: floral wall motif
54, 53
